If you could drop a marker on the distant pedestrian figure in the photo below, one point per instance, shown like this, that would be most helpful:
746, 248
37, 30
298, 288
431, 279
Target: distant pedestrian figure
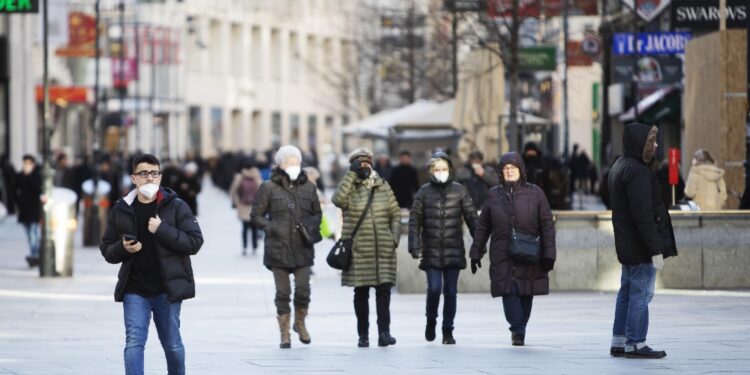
283, 204
705, 182
643, 238
519, 206
243, 191
152, 233
189, 186
28, 193
373, 251
404, 180
478, 177
441, 207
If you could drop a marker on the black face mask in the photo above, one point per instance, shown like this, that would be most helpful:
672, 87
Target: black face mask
363, 173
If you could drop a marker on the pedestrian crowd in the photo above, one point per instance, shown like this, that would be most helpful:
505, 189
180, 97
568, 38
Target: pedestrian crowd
151, 229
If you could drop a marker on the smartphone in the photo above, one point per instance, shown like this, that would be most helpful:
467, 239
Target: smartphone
129, 237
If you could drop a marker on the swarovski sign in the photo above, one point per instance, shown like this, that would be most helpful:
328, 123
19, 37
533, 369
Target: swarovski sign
658, 43
704, 14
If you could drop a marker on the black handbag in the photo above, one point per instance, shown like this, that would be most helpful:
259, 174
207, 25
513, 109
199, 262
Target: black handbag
523, 248
309, 230
340, 256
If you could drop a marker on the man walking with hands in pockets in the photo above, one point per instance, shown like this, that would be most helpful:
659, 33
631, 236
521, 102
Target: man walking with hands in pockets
152, 233
643, 238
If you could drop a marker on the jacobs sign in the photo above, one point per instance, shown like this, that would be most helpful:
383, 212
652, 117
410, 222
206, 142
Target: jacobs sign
650, 43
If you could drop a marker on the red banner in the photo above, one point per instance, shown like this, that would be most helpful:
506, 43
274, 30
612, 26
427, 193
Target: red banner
535, 8
68, 94
674, 166
81, 36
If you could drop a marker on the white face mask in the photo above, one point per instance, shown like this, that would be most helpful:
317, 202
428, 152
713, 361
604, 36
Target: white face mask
149, 190
293, 172
442, 177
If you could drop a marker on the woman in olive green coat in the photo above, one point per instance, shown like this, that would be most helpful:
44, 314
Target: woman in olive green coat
374, 246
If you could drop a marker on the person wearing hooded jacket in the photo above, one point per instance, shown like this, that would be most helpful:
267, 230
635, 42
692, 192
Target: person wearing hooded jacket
515, 203
374, 246
152, 233
440, 209
643, 238
289, 200
705, 182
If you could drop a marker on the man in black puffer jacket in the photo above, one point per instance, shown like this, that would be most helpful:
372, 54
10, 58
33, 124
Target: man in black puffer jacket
436, 234
152, 233
643, 238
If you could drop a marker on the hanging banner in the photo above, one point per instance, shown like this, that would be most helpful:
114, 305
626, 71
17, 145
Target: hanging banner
704, 14
653, 71
658, 43
648, 9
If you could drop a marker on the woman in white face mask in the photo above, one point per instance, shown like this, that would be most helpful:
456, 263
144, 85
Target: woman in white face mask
436, 237
287, 208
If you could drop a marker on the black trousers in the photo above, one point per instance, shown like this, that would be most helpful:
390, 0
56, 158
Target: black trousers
245, 226
382, 305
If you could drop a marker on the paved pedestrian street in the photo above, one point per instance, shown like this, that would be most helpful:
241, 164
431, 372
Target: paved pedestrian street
73, 326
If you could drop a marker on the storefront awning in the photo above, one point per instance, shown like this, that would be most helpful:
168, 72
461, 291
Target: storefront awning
661, 106
63, 95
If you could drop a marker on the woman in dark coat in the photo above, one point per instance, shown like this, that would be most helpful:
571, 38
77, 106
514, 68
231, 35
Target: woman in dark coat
441, 207
282, 205
515, 202
28, 191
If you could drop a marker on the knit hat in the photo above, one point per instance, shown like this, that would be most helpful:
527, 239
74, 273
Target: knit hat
361, 152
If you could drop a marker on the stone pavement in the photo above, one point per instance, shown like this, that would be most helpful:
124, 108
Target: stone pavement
73, 326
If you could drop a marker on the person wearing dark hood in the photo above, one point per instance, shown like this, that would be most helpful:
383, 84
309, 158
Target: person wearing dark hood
515, 207
441, 207
477, 177
152, 233
536, 166
643, 238
287, 208
373, 262
404, 180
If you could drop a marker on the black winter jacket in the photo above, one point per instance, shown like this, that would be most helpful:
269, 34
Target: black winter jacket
641, 222
436, 223
28, 190
178, 237
284, 246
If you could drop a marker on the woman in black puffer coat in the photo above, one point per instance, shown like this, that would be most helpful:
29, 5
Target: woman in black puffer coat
436, 235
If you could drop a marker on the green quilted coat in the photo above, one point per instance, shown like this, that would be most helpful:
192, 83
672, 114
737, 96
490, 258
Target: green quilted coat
374, 247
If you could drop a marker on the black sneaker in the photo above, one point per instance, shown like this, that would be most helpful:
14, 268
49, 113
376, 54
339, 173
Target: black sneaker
32, 261
363, 342
617, 351
386, 339
646, 353
517, 339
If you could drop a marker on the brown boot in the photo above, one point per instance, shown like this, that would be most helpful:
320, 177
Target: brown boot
286, 342
299, 325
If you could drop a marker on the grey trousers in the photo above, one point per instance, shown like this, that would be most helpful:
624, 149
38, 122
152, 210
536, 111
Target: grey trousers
284, 288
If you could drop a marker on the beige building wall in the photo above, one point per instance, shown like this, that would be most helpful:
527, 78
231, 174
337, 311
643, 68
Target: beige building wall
715, 104
480, 102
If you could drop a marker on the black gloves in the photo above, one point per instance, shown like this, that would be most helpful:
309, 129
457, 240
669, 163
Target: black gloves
356, 165
475, 263
414, 253
547, 264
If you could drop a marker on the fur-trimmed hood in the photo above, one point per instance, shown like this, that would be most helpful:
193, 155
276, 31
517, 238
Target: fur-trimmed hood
639, 142
280, 177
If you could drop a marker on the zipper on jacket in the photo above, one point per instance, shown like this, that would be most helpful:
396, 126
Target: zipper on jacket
513, 222
377, 248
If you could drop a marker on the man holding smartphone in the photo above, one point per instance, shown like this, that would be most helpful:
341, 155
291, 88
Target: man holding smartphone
152, 233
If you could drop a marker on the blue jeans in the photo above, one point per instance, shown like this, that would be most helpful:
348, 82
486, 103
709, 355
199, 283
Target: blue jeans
32, 234
631, 312
517, 309
445, 281
137, 311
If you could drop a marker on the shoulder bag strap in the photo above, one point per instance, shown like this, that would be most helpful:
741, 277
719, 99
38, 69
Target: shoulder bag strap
364, 213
